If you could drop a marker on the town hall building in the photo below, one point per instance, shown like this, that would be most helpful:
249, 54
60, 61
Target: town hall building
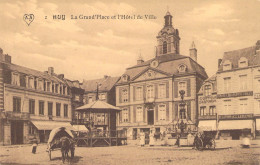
149, 93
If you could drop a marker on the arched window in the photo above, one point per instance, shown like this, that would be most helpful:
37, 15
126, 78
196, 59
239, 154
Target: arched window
164, 47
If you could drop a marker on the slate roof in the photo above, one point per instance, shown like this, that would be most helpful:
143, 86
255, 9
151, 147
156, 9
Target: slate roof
107, 84
169, 64
250, 53
32, 72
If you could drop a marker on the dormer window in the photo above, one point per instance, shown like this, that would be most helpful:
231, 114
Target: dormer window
243, 62
227, 65
15, 79
125, 78
207, 90
30, 82
154, 64
182, 68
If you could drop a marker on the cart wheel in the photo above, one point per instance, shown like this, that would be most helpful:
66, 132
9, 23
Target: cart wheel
50, 154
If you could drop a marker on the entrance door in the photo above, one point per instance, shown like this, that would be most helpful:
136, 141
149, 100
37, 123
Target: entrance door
16, 132
150, 115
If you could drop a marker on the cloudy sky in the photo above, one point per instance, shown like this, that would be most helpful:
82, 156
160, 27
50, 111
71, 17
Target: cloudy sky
90, 49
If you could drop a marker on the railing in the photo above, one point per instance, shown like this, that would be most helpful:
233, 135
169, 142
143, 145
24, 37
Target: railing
207, 116
86, 122
104, 134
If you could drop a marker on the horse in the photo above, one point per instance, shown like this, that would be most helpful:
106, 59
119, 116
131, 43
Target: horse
66, 145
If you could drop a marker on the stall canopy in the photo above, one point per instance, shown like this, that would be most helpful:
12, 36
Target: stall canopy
50, 125
235, 124
207, 125
98, 106
80, 128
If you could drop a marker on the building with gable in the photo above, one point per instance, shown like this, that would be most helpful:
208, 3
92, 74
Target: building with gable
238, 98
32, 103
149, 92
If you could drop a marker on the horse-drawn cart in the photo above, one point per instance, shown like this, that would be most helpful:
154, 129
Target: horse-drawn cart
201, 141
62, 139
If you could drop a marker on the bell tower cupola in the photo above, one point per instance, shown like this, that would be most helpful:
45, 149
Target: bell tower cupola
168, 39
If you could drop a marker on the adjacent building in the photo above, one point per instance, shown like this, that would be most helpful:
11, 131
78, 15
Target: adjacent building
207, 105
32, 103
238, 88
149, 92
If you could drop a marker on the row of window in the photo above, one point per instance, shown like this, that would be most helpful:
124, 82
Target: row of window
205, 112
242, 83
40, 84
17, 107
92, 98
243, 105
150, 91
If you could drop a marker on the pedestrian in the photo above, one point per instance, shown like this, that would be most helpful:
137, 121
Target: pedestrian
34, 145
151, 138
142, 138
178, 140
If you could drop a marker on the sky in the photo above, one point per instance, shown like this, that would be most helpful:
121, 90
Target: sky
91, 48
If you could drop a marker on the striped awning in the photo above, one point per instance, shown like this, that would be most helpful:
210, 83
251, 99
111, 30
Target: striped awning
207, 125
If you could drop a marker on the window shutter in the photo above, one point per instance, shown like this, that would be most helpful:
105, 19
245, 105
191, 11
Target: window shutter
144, 114
176, 111
129, 115
156, 113
134, 93
167, 90
120, 116
120, 95
167, 111
188, 88
134, 114
176, 89
188, 111
144, 93
156, 91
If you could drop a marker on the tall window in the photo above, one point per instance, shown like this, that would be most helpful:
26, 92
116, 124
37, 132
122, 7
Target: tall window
32, 106
207, 90
40, 84
65, 110
16, 104
164, 47
139, 114
125, 95
212, 110
182, 86
50, 104
202, 111
15, 79
162, 112
227, 105
41, 107
243, 82
57, 109
48, 86
90, 99
149, 91
139, 93
227, 84
162, 91
125, 115
242, 105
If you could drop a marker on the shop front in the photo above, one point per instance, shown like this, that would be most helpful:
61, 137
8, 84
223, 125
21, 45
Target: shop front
235, 129
208, 127
257, 132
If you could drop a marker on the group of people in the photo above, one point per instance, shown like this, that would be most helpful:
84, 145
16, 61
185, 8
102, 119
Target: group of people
151, 138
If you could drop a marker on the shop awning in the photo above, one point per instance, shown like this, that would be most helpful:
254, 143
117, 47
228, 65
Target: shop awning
235, 124
50, 125
80, 128
207, 125
258, 124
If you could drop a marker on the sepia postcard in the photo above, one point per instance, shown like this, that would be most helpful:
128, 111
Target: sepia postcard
129, 82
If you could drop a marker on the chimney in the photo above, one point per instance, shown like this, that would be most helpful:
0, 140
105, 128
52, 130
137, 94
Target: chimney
8, 59
1, 55
219, 62
140, 60
50, 70
61, 76
193, 51
105, 76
